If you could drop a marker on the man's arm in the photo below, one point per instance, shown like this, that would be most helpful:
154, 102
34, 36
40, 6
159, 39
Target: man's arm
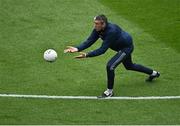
91, 39
105, 45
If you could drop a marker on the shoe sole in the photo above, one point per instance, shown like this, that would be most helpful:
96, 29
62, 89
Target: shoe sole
99, 97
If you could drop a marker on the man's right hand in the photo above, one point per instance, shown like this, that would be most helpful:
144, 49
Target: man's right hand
70, 49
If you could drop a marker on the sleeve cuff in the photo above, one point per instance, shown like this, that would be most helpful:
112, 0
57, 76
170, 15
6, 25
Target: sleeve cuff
78, 48
88, 54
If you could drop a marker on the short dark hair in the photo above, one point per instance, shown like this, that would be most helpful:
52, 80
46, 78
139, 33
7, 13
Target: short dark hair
101, 17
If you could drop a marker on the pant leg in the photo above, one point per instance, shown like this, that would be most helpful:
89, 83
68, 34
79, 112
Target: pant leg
110, 67
129, 65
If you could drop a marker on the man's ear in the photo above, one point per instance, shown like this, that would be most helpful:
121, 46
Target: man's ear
104, 24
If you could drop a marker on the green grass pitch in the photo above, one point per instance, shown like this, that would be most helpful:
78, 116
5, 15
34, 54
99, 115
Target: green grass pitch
29, 27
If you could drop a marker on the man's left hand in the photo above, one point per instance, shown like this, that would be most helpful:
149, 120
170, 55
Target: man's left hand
82, 55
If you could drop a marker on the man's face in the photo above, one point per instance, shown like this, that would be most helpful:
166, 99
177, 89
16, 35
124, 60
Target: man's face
99, 25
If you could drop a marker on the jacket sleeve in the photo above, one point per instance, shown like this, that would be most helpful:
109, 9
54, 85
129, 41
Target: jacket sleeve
105, 45
90, 40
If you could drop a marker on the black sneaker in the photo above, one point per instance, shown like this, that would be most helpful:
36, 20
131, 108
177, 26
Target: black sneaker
106, 94
151, 77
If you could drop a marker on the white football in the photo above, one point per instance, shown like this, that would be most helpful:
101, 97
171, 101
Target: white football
50, 55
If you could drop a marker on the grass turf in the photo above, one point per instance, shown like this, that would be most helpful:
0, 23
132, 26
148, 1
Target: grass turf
30, 27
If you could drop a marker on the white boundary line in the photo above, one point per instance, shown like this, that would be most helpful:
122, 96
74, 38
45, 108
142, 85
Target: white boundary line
89, 97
